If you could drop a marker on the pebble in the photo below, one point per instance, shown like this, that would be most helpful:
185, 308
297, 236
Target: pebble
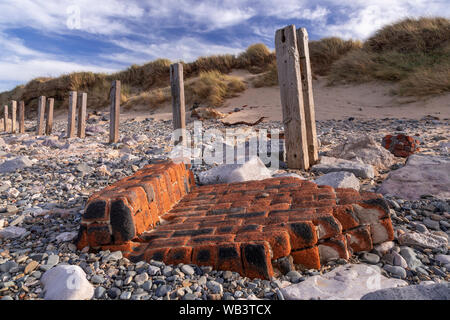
370, 258
395, 270
187, 269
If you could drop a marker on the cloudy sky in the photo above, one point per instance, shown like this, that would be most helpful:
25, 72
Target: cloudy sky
52, 37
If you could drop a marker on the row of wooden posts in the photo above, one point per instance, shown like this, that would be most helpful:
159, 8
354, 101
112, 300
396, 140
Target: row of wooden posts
297, 101
294, 77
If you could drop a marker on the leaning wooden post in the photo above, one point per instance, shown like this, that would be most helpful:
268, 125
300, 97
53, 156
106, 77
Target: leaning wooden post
5, 117
13, 116
82, 105
22, 116
72, 114
178, 103
114, 111
41, 116
308, 98
291, 98
49, 126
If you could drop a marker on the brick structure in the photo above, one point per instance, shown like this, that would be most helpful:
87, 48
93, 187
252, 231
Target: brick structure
401, 145
158, 213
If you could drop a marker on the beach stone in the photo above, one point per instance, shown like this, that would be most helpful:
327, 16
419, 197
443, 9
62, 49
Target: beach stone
254, 169
443, 259
187, 269
15, 164
384, 247
395, 270
422, 175
329, 164
67, 236
347, 282
340, 179
410, 257
440, 291
66, 282
215, 287
365, 149
423, 240
12, 232
370, 258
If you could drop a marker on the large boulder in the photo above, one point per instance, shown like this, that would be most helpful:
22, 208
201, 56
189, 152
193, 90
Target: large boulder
422, 175
15, 164
363, 148
254, 169
340, 179
422, 240
348, 282
66, 282
329, 164
439, 291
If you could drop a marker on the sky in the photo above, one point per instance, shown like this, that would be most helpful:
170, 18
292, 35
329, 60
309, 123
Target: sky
47, 38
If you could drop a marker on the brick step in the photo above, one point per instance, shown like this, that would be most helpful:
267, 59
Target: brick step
160, 214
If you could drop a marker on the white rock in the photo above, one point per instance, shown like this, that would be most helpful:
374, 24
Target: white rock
422, 175
363, 148
13, 193
12, 232
66, 236
341, 179
348, 282
329, 164
15, 164
254, 169
424, 240
384, 247
66, 282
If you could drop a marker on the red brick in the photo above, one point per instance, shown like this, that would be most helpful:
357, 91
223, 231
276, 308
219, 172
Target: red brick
359, 239
308, 258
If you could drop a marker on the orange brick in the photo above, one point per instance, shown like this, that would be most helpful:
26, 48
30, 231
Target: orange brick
308, 258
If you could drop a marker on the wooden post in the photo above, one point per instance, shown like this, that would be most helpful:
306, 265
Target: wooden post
13, 116
308, 98
49, 126
5, 117
114, 111
22, 117
288, 63
72, 114
41, 116
82, 105
178, 103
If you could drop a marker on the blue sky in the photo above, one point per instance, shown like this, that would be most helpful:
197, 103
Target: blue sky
53, 37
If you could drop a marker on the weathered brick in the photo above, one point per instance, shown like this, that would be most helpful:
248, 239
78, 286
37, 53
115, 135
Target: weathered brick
359, 239
308, 258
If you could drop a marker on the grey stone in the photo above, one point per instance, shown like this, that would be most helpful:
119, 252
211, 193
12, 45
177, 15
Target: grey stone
161, 291
147, 285
66, 282
97, 279
15, 164
439, 291
12, 232
99, 292
370, 258
329, 164
432, 224
114, 292
7, 266
52, 260
294, 276
423, 240
443, 259
340, 179
410, 256
395, 270
153, 271
187, 269
422, 175
214, 287
141, 278
348, 282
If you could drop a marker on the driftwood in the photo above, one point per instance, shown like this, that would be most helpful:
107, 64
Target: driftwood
244, 122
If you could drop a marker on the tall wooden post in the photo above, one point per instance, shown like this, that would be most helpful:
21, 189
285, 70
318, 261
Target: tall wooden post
49, 126
41, 116
308, 98
288, 63
82, 105
13, 116
114, 111
5, 117
178, 102
72, 114
22, 116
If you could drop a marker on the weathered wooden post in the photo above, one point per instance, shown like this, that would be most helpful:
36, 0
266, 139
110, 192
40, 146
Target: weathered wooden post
308, 98
49, 126
288, 64
114, 111
178, 102
5, 117
72, 114
13, 116
82, 105
22, 116
41, 116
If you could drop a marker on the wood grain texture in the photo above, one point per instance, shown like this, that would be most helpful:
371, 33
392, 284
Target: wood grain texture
41, 116
82, 106
72, 114
308, 97
288, 63
5, 118
178, 100
22, 116
49, 116
114, 111
13, 116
